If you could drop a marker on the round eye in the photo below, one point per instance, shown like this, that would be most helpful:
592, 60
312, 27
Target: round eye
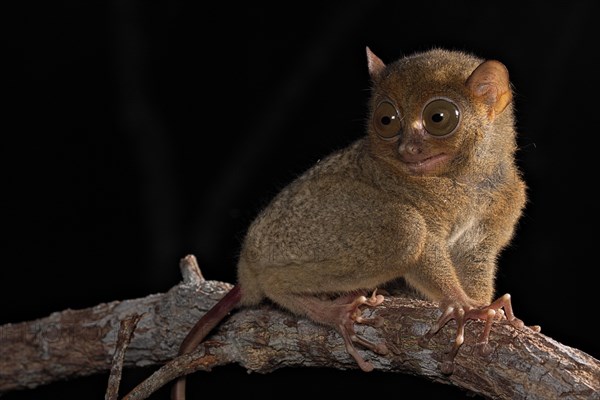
440, 117
386, 120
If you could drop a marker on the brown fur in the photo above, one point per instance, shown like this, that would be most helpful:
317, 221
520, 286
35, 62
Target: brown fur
381, 209
359, 218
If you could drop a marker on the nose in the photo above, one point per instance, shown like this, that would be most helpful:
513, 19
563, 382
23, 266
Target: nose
410, 147
412, 142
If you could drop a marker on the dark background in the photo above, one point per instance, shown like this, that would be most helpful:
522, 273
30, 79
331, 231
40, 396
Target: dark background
138, 132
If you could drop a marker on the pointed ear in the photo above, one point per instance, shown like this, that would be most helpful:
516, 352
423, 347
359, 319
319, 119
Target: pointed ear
375, 64
489, 82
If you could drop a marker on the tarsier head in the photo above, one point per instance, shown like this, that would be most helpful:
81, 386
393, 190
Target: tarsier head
431, 112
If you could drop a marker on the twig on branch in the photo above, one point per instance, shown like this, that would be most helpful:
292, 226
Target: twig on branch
182, 365
523, 364
126, 329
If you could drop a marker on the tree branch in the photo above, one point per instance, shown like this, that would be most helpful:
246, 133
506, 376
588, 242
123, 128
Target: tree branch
74, 343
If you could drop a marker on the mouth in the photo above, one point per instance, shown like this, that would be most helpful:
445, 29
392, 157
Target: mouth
426, 165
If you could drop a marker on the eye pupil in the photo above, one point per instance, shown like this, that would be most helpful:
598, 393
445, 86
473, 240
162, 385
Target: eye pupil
386, 120
439, 117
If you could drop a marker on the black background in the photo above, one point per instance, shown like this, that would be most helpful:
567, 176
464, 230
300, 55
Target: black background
138, 132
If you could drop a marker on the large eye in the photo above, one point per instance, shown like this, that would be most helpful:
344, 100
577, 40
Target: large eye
386, 120
440, 117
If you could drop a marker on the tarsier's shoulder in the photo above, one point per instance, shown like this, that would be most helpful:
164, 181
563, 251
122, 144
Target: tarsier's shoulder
338, 184
339, 169
345, 161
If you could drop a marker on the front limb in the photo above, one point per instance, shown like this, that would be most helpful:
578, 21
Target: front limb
437, 278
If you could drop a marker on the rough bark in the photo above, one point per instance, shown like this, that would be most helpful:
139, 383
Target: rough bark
124, 338
73, 343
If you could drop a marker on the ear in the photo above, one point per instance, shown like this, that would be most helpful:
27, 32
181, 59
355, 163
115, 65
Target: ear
489, 82
375, 64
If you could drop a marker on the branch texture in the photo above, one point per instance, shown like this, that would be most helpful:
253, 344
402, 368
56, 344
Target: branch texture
73, 343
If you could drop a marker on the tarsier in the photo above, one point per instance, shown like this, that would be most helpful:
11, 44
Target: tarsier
431, 194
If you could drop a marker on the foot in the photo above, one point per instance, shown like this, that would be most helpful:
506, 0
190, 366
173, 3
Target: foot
350, 314
499, 310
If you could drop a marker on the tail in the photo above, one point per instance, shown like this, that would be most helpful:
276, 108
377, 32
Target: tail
202, 328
